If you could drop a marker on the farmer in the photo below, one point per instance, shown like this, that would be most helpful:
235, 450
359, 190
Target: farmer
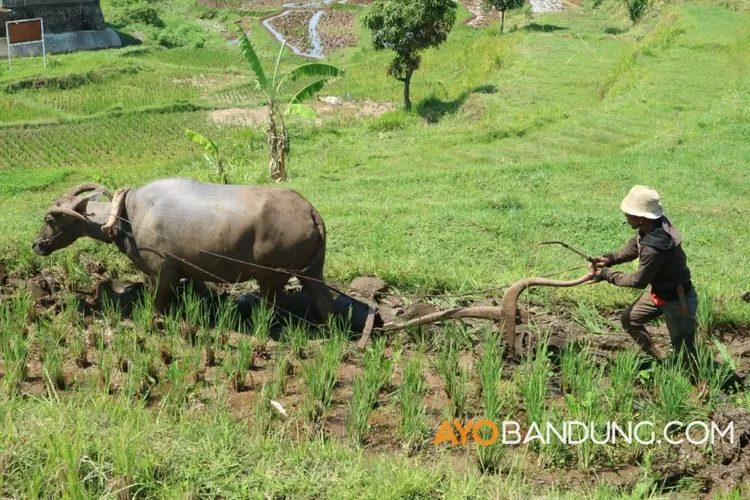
663, 265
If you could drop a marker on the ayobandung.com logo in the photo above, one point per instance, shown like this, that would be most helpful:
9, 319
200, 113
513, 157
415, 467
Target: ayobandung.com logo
486, 432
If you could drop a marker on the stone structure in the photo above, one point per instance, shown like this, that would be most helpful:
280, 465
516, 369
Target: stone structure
69, 25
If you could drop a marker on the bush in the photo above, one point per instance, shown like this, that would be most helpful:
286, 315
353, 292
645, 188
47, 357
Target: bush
137, 13
186, 35
636, 9
392, 120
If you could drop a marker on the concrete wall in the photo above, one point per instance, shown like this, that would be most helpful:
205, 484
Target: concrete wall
69, 26
61, 43
59, 15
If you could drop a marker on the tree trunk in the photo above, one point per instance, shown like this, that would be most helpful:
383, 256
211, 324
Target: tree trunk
275, 144
284, 137
283, 145
502, 21
407, 84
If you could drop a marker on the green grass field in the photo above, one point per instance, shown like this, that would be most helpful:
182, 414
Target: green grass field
516, 139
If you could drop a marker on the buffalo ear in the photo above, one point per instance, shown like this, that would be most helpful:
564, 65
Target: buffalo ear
81, 204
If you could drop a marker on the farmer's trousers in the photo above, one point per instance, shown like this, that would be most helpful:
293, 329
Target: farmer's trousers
681, 326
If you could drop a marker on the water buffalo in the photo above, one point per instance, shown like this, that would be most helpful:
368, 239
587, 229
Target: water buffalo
170, 228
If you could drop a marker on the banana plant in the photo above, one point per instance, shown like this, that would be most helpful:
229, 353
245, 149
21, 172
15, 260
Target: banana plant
210, 149
272, 89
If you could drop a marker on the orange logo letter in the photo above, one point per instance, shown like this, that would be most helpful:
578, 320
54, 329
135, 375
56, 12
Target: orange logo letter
445, 433
478, 438
464, 431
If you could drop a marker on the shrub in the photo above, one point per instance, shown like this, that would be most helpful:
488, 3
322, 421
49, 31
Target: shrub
186, 35
636, 9
139, 12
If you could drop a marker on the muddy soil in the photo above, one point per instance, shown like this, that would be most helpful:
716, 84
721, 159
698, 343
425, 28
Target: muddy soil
293, 26
49, 290
336, 29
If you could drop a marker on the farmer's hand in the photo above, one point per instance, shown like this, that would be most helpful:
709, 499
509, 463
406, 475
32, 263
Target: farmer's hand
601, 262
594, 274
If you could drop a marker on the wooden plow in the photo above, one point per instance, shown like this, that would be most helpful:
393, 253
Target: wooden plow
507, 315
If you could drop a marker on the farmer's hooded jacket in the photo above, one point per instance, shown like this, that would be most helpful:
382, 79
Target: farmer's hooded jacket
663, 263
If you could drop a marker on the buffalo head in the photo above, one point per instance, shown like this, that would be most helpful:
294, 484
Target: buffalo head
65, 221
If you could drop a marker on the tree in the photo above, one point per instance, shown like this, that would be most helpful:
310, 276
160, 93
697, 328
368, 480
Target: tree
278, 142
502, 6
408, 27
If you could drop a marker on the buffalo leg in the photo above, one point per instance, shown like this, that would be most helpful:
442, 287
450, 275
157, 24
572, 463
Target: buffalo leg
272, 286
164, 286
321, 297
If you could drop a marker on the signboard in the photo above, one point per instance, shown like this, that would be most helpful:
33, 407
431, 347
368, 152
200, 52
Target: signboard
23, 32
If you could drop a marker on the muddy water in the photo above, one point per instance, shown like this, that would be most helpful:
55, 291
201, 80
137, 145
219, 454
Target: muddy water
317, 48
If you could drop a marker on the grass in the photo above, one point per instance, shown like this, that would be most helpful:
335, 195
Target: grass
515, 139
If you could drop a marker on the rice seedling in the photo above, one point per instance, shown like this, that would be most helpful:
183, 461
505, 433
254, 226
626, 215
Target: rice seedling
534, 377
672, 391
413, 423
143, 312
15, 351
262, 318
365, 390
112, 314
454, 335
264, 413
136, 384
245, 355
75, 273
711, 373
490, 366
319, 375
271, 389
282, 369
227, 319
623, 376
234, 376
193, 313
455, 379
149, 360
554, 453
296, 336
589, 318
176, 376
105, 362
237, 364
79, 349
582, 380
706, 313
359, 411
53, 364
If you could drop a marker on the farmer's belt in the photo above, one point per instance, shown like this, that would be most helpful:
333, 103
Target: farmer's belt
679, 290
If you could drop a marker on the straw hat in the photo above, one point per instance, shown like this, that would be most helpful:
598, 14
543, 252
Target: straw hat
642, 201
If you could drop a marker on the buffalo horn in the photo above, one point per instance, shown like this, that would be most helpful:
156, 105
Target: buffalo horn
88, 186
67, 211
